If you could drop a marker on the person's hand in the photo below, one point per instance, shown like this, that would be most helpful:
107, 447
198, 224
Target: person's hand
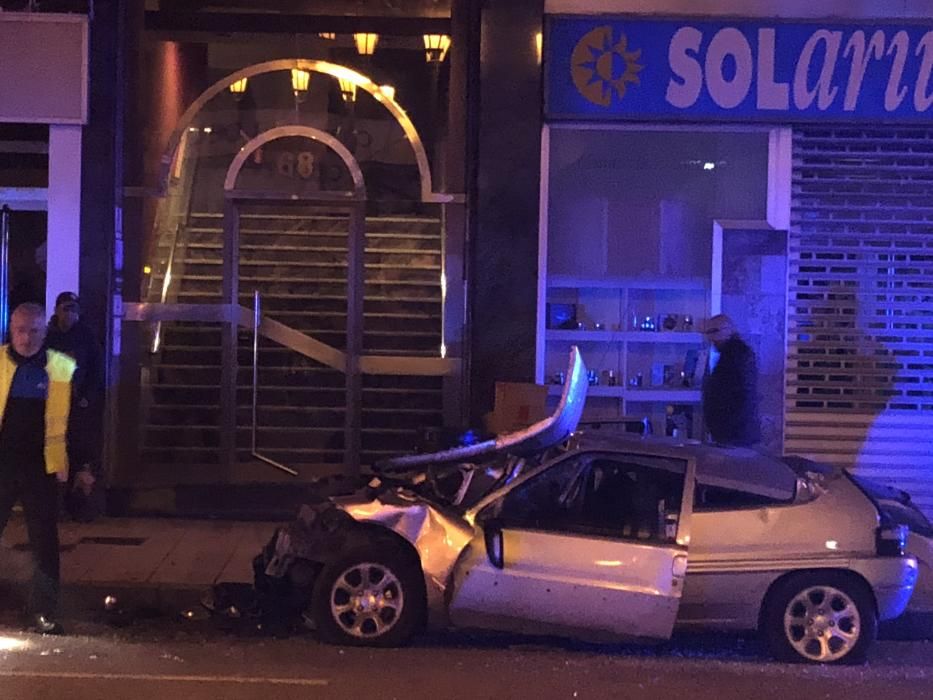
62, 476
84, 482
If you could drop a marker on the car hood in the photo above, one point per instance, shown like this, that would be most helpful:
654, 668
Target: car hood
536, 437
896, 505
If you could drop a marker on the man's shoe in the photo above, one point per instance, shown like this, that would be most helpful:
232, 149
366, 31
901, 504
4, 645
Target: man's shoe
43, 624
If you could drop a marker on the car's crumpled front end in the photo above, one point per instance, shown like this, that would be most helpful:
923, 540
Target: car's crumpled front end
322, 531
897, 508
416, 503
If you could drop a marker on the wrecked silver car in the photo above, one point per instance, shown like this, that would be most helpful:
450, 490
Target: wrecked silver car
599, 537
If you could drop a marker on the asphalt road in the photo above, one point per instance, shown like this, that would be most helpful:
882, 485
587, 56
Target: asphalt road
198, 659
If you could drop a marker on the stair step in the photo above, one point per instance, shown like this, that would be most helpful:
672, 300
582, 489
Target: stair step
320, 230
177, 334
216, 249
313, 438
289, 263
297, 261
247, 299
215, 279
281, 357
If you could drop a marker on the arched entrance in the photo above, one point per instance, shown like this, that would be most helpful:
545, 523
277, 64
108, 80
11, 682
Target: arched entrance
303, 245
176, 141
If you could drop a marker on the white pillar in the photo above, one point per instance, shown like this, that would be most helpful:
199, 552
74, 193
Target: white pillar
780, 173
63, 250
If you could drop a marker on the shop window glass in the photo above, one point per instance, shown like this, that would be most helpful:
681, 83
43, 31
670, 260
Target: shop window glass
632, 203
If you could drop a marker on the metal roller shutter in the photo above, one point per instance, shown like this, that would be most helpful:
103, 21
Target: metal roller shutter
860, 311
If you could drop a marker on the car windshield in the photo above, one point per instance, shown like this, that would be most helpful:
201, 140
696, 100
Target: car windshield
746, 471
462, 485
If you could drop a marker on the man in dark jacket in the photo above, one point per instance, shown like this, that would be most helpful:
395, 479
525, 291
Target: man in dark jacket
730, 390
69, 335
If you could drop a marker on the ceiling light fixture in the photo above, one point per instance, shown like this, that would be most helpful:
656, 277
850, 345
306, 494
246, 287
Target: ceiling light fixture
388, 91
348, 89
366, 43
435, 47
301, 79
238, 87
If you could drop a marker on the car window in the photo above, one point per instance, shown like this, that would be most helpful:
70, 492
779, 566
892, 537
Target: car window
707, 498
623, 497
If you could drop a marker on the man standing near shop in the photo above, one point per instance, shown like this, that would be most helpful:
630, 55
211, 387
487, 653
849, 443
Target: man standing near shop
730, 390
84, 497
35, 399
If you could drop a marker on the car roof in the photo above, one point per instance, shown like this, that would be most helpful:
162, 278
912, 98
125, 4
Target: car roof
738, 468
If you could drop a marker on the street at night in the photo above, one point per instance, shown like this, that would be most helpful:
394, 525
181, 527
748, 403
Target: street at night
199, 659
431, 349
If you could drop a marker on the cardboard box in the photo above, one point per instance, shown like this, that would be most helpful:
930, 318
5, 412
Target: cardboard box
517, 406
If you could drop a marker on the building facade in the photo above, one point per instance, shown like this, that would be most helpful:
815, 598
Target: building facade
769, 163
316, 236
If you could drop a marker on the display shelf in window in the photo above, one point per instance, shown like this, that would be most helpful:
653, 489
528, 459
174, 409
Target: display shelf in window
663, 395
618, 283
636, 395
639, 336
614, 336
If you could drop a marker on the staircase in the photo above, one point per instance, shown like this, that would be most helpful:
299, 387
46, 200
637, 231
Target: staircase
297, 260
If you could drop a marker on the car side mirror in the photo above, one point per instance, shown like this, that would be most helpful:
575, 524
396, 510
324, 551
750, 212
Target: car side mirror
492, 533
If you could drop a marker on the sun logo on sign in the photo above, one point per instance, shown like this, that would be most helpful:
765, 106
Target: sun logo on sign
600, 66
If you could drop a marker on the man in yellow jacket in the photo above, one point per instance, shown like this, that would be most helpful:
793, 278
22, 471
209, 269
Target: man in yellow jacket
35, 399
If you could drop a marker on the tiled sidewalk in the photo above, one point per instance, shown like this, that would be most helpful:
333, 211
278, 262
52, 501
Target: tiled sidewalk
158, 559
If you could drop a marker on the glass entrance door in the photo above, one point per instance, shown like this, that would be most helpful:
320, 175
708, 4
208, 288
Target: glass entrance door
22, 260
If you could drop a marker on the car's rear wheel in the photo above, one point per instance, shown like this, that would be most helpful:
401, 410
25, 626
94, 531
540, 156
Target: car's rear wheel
368, 597
819, 617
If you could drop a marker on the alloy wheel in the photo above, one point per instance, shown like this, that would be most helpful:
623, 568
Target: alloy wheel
366, 600
822, 623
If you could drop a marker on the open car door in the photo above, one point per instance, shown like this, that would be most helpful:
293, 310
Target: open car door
592, 545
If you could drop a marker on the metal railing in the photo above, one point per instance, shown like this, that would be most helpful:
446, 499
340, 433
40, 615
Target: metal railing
254, 450
239, 316
166, 284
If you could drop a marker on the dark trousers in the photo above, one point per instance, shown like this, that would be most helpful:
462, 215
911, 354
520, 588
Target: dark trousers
84, 437
38, 493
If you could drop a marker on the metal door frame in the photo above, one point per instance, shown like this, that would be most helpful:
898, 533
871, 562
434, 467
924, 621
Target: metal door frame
354, 202
356, 237
22, 199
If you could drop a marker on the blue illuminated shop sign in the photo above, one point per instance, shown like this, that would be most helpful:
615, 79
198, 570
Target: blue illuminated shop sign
620, 67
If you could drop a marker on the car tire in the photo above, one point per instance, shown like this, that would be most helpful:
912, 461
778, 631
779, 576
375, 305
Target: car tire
371, 596
820, 617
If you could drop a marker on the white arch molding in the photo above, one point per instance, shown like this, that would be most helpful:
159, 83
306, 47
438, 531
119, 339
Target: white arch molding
281, 132
326, 68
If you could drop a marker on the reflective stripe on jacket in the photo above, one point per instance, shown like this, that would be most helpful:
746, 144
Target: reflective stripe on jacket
59, 368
